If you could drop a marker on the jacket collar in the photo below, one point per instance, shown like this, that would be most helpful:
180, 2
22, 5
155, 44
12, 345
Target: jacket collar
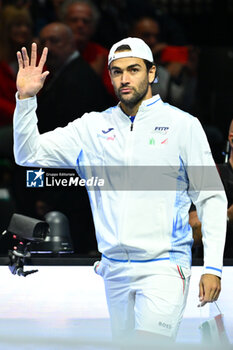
145, 105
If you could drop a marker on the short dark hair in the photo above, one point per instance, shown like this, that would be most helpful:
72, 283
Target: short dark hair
123, 48
148, 64
127, 48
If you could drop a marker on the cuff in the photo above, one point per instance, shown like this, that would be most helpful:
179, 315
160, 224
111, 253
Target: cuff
25, 99
212, 270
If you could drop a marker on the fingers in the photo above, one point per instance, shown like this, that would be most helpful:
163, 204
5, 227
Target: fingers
43, 58
208, 300
201, 294
201, 291
33, 54
209, 289
216, 294
25, 57
44, 75
202, 304
20, 60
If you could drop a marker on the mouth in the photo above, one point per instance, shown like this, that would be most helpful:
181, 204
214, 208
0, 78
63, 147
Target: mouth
125, 90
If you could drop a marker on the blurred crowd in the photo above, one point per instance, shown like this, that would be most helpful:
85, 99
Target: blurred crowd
78, 34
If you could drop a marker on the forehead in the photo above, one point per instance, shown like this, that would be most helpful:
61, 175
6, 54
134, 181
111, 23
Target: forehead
52, 31
20, 20
147, 25
79, 10
49, 30
125, 62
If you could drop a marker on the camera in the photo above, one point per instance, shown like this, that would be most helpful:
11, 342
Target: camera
26, 230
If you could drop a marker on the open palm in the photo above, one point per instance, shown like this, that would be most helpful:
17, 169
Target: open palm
30, 78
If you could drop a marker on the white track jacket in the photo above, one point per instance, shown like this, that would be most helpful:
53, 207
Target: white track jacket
154, 168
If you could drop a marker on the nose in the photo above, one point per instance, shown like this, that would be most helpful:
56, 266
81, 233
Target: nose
125, 78
79, 23
23, 27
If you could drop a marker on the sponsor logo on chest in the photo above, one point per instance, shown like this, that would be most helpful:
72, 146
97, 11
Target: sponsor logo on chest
162, 130
158, 136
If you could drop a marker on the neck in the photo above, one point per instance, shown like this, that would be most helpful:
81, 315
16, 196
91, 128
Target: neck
130, 111
133, 109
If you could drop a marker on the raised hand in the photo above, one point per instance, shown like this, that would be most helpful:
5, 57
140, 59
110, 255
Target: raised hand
30, 78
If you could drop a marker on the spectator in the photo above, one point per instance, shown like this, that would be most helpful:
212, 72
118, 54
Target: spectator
176, 66
115, 18
15, 32
226, 173
17, 3
57, 8
82, 17
44, 12
66, 94
148, 29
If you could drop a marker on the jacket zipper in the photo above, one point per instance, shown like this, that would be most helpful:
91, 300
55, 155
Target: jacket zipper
128, 163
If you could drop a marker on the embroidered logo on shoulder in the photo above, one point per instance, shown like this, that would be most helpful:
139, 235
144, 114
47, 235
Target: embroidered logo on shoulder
162, 130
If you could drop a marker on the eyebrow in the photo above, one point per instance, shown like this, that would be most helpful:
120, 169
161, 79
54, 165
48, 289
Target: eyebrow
128, 67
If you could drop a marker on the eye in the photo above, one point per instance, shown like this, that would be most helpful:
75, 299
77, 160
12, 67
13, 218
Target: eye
116, 72
134, 70
54, 40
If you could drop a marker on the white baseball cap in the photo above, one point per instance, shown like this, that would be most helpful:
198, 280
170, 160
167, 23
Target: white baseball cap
138, 49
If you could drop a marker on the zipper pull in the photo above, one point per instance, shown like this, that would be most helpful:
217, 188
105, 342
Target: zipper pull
131, 127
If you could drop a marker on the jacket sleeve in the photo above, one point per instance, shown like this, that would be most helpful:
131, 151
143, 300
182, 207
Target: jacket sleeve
208, 195
58, 148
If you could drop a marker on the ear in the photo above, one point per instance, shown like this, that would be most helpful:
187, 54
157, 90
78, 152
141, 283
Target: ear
230, 138
151, 74
109, 72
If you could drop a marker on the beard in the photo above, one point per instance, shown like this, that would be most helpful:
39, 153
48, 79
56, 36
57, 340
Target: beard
136, 95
